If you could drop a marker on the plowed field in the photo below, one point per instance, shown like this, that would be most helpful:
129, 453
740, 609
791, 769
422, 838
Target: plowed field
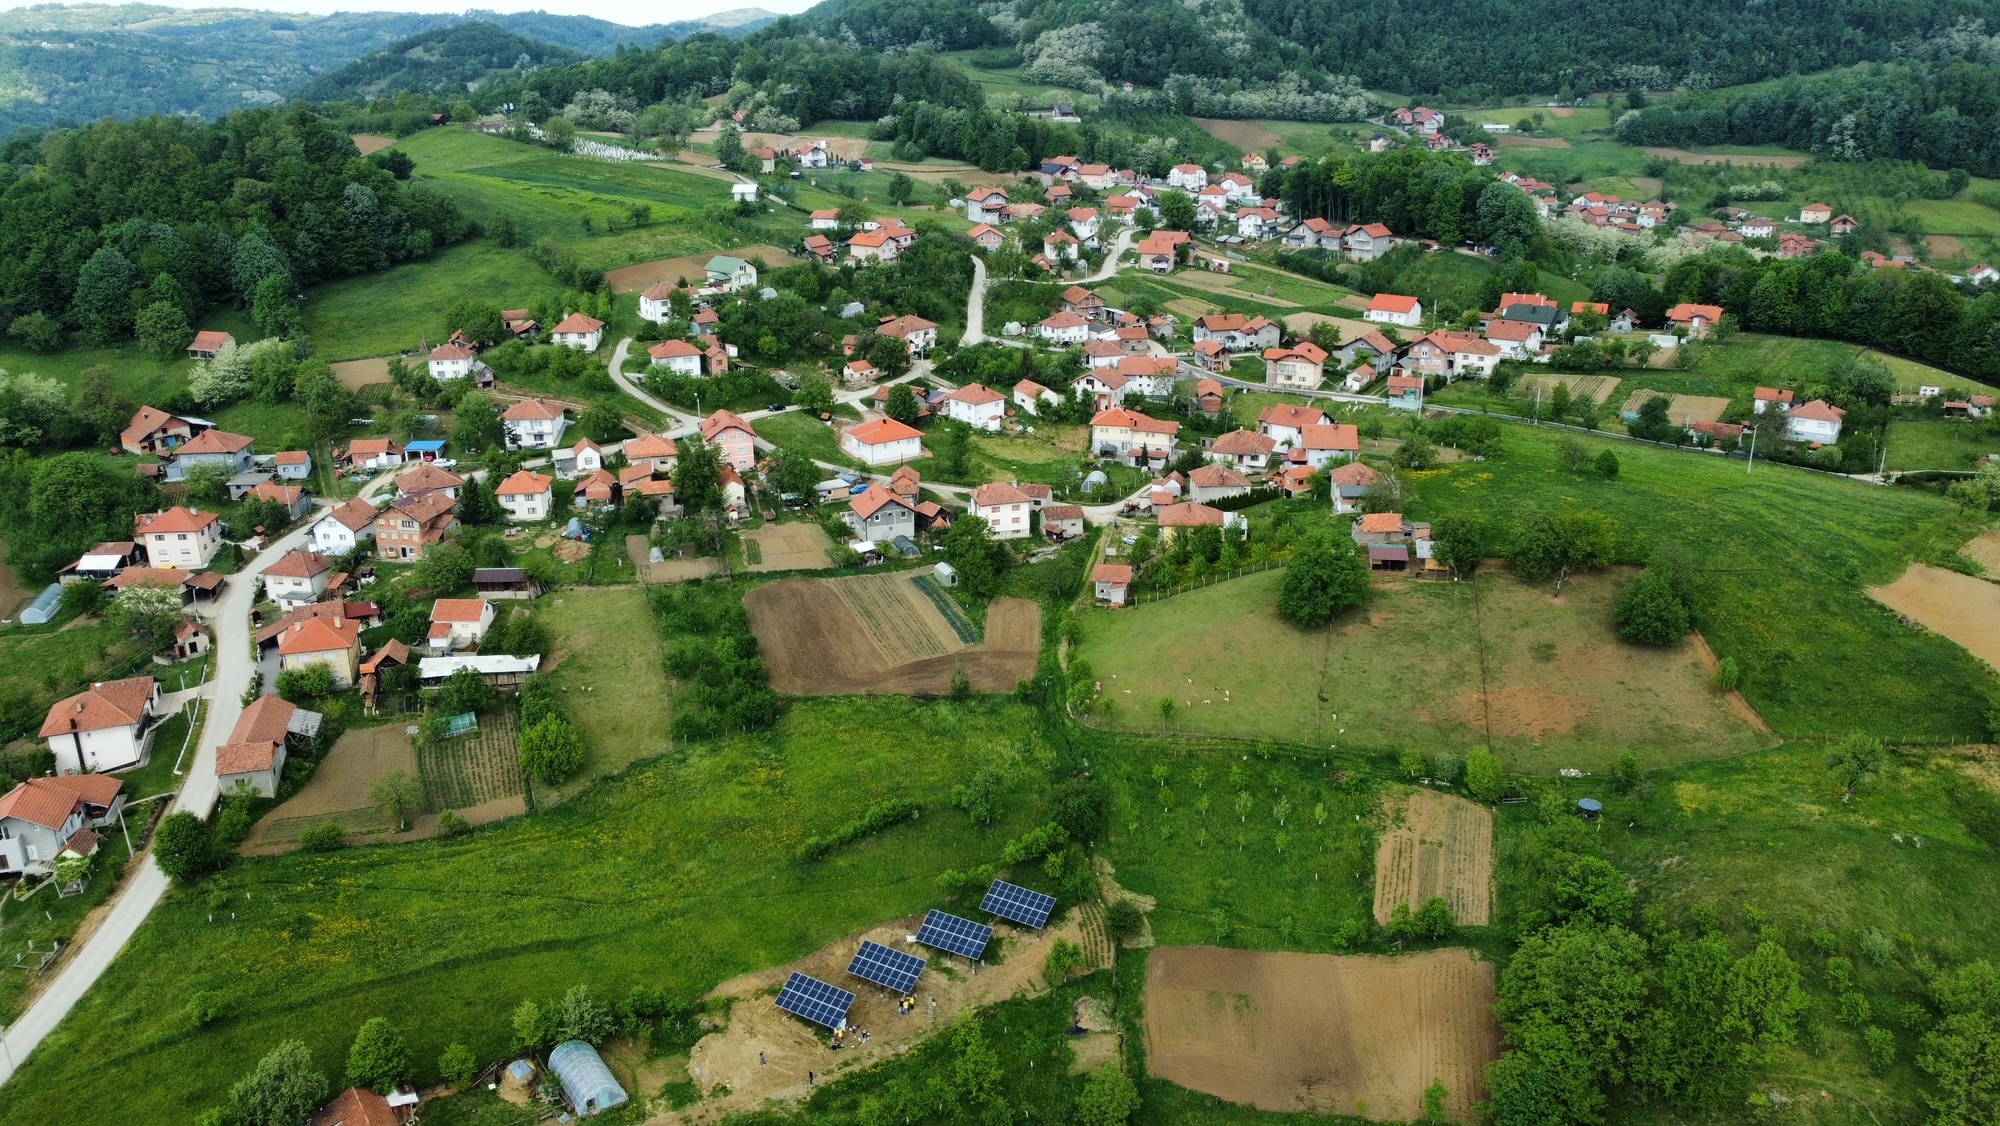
882, 633
1442, 845
1321, 1033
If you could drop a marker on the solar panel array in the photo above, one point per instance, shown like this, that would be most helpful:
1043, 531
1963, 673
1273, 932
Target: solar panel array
815, 1000
891, 969
954, 935
1018, 904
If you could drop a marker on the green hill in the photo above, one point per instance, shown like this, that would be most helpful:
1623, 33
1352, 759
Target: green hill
442, 60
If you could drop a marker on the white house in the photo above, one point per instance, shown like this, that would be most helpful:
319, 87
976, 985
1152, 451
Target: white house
1286, 423
187, 538
452, 360
459, 623
1064, 329
918, 334
374, 453
827, 219
1113, 582
254, 756
1244, 449
743, 192
1321, 445
730, 275
1303, 365
1083, 224
1236, 331
1214, 481
1314, 233
1131, 436
293, 465
656, 303
1365, 242
1189, 178
534, 424
677, 356
578, 331
1030, 396
1150, 376
1259, 222
986, 205
1394, 309
1004, 508
297, 578
1817, 421
42, 818
1766, 397
105, 727
816, 155
883, 442
527, 495
338, 530
977, 406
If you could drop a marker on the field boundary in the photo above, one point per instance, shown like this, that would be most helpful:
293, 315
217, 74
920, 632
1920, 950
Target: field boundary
967, 631
1144, 597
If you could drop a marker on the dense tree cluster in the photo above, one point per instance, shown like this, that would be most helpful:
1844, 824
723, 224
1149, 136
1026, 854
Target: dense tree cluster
446, 59
100, 223
1946, 115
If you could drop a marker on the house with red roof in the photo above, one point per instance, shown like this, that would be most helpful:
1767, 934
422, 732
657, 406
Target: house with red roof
676, 356
1349, 482
882, 442
915, 332
1191, 514
1395, 309
1764, 398
1321, 446
1005, 508
1698, 320
339, 529
879, 515
1314, 233
254, 756
371, 453
1237, 332
298, 577
1285, 424
411, 526
1301, 365
527, 495
987, 237
1030, 397
1817, 422
207, 343
459, 623
1244, 449
43, 818
1113, 583
534, 424
1127, 435
986, 205
186, 538
211, 447
578, 331
154, 431
1215, 481
331, 639
104, 727
976, 405
1365, 242
732, 438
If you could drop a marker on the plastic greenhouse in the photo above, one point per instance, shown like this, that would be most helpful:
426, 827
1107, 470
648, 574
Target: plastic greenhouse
587, 1083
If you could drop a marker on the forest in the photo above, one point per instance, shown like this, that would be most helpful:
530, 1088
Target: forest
443, 60
198, 215
1460, 49
1943, 114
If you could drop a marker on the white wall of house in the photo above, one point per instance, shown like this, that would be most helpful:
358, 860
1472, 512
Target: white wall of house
107, 748
882, 453
529, 506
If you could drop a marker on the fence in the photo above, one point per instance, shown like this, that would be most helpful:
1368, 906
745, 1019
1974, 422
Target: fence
1143, 597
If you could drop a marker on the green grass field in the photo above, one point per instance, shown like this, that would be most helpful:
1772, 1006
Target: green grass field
1939, 443
798, 430
677, 876
1543, 681
610, 676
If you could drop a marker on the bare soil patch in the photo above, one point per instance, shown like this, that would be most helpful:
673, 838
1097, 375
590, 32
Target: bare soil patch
1226, 284
1687, 157
789, 1047
845, 148
356, 374
1243, 134
640, 550
1561, 111
1683, 409
789, 547
883, 633
371, 142
1712, 664
632, 279
1945, 246
1298, 324
338, 790
1321, 1033
1597, 387
1985, 550
1436, 845
1517, 141
1962, 608
1525, 712
1189, 307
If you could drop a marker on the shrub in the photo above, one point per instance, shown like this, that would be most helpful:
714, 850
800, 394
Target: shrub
379, 1059
1625, 773
1123, 919
1109, 1098
458, 1065
182, 847
1881, 1047
205, 1007
1434, 919
1065, 957
1728, 674
452, 823
551, 750
1483, 775
1651, 612
1854, 1008
327, 836
880, 816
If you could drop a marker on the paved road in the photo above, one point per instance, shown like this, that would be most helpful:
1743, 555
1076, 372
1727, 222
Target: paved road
975, 304
233, 665
683, 422
1119, 246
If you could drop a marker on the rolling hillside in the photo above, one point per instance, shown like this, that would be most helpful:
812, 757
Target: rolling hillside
443, 60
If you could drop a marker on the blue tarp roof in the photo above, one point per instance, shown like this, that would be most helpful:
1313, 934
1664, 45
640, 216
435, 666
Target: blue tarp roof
427, 446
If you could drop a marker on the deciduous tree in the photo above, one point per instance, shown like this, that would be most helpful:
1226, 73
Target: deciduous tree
379, 1059
1323, 578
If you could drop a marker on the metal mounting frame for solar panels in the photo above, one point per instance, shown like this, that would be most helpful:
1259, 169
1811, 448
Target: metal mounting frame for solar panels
1018, 904
887, 967
953, 935
814, 1000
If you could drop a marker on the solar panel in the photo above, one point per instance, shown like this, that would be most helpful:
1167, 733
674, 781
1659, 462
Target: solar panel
1018, 904
815, 1000
891, 969
954, 935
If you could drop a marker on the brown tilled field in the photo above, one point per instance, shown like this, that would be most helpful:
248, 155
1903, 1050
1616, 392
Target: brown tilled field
475, 769
371, 143
881, 633
789, 547
339, 789
1683, 409
1301, 323
1985, 550
1242, 134
1437, 844
1320, 1033
356, 374
1597, 387
632, 279
1516, 141
1960, 607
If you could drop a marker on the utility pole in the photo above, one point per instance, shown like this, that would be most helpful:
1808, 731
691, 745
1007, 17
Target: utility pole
1753, 451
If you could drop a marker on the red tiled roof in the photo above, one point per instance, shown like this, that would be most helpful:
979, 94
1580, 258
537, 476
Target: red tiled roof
904, 326
1189, 514
882, 431
995, 493
533, 410
724, 420
459, 609
1118, 574
525, 482
976, 395
577, 322
428, 477
299, 564
106, 704
1392, 303
874, 499
670, 349
1239, 443
1213, 476
1353, 473
48, 802
1819, 410
355, 514
1292, 415
356, 1106
1382, 522
650, 446
293, 457
208, 340
319, 635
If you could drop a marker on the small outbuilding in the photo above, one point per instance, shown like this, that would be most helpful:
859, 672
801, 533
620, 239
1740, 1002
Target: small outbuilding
44, 608
587, 1084
946, 574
